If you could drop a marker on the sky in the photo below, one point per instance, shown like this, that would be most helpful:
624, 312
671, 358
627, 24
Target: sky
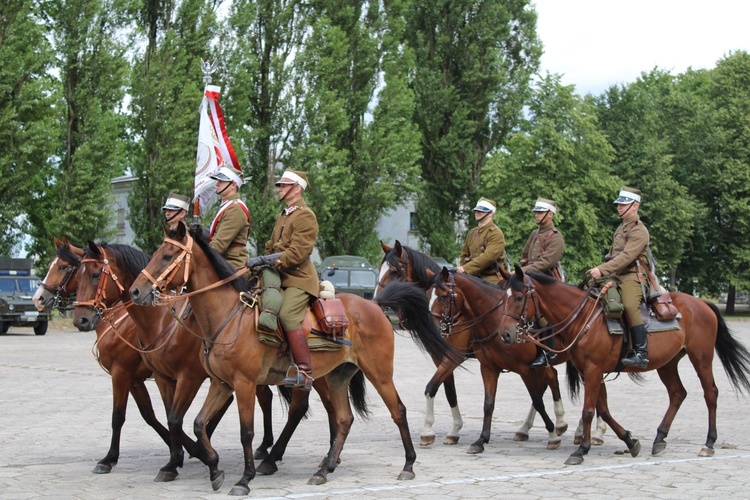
598, 43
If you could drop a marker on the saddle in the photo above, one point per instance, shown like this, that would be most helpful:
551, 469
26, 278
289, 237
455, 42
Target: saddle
650, 321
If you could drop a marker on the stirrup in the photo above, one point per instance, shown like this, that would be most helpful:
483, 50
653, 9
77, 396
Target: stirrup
637, 359
300, 380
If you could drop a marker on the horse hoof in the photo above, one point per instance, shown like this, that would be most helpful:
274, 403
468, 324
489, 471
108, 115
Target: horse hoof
658, 447
165, 476
239, 490
475, 449
218, 480
578, 440
426, 440
450, 440
317, 479
266, 469
561, 430
102, 469
260, 454
636, 449
521, 436
706, 452
595, 441
406, 475
553, 445
574, 460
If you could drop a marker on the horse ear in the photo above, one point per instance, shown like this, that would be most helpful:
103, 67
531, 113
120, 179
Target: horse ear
94, 249
519, 273
430, 274
58, 243
166, 228
504, 273
385, 247
181, 230
397, 247
445, 274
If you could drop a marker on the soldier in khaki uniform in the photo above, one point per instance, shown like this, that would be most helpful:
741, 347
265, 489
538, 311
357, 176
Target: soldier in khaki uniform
175, 209
484, 249
629, 243
541, 253
288, 250
231, 226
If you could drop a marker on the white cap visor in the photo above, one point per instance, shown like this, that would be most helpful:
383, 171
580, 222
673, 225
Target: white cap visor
175, 204
543, 207
226, 174
626, 197
292, 178
483, 206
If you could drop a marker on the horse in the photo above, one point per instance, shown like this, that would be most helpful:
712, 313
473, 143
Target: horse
402, 263
125, 365
579, 323
173, 351
238, 361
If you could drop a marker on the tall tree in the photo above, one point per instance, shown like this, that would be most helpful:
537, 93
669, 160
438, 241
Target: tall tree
362, 157
558, 152
261, 106
474, 62
27, 93
635, 119
167, 88
90, 148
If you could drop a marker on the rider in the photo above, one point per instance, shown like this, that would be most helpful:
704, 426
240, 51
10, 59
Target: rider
288, 250
542, 252
484, 249
629, 243
231, 226
175, 209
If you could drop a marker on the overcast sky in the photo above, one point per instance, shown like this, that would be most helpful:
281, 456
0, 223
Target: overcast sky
598, 43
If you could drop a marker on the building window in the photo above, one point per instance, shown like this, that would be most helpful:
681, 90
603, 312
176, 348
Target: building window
412, 221
121, 221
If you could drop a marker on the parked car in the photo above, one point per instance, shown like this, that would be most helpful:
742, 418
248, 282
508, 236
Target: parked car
17, 287
444, 263
350, 274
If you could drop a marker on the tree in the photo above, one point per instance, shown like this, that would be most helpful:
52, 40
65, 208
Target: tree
560, 153
75, 200
635, 119
474, 62
27, 93
362, 157
167, 89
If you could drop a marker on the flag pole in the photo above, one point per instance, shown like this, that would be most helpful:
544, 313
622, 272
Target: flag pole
207, 67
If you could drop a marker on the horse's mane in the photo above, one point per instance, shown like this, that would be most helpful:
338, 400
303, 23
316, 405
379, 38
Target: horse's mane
545, 279
130, 260
223, 268
483, 285
66, 254
419, 263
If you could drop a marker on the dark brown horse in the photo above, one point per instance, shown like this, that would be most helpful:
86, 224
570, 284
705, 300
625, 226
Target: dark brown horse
582, 327
238, 361
124, 364
170, 345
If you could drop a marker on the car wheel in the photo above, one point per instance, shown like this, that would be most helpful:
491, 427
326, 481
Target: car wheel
40, 328
4, 328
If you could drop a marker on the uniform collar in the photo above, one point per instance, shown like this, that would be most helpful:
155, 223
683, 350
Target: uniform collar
630, 219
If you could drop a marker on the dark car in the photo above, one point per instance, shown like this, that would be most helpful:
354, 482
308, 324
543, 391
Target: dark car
350, 274
444, 263
17, 287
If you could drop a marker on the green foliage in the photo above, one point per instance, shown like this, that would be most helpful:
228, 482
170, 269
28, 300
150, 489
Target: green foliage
474, 62
559, 153
167, 89
26, 97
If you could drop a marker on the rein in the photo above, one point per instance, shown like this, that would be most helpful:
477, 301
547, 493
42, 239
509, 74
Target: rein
448, 321
98, 303
61, 288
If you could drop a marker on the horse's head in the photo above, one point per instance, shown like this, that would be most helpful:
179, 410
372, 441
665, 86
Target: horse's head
169, 267
447, 301
98, 287
521, 309
59, 285
395, 266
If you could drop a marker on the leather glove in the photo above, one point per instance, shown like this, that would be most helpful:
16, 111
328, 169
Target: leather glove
263, 260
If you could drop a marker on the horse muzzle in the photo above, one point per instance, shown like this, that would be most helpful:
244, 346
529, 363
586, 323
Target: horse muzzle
86, 323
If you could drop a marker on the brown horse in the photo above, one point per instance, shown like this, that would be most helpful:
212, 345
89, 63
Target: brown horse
171, 347
465, 304
579, 323
238, 361
124, 364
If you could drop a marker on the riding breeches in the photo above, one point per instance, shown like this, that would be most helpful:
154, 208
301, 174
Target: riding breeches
294, 304
631, 295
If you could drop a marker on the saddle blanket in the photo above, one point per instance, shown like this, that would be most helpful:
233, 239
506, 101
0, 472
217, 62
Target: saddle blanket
652, 324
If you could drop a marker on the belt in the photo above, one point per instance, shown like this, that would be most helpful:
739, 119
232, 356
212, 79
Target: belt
237, 245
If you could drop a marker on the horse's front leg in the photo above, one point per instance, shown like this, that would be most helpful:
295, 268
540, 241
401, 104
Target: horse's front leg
265, 400
246, 407
443, 376
216, 399
490, 375
592, 382
602, 409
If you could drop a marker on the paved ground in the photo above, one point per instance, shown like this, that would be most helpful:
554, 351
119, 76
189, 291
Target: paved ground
55, 408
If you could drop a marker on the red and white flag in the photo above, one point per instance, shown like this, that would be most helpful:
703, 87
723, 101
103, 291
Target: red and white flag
214, 148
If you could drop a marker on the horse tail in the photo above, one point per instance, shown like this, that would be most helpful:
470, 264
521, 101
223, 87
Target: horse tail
733, 355
358, 396
574, 381
414, 311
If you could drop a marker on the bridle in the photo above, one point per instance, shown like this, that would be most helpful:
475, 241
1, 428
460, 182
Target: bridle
159, 285
59, 300
99, 302
402, 268
449, 319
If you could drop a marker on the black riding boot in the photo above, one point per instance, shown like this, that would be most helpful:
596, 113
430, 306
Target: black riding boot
301, 355
639, 358
545, 357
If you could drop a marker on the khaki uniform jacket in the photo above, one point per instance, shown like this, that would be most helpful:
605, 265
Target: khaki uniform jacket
232, 230
484, 247
630, 242
543, 260
294, 235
